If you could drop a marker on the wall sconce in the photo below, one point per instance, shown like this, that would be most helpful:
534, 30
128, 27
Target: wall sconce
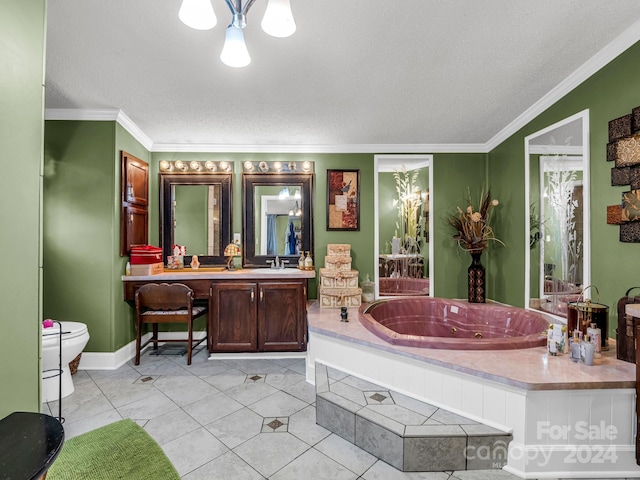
166, 166
211, 166
277, 167
194, 167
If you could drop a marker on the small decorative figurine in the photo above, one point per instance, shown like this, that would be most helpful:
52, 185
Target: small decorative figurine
343, 314
195, 263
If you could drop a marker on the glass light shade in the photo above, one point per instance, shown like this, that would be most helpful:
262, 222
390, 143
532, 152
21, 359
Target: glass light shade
235, 53
278, 19
198, 14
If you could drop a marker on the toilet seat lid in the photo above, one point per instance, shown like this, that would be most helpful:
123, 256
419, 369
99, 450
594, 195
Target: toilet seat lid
69, 330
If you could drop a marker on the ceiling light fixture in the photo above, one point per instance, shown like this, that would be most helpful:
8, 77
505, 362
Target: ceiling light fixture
277, 21
297, 212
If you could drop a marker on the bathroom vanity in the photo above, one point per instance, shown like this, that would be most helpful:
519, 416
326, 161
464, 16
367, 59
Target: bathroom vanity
250, 310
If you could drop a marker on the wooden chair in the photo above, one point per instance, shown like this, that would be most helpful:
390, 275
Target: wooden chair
166, 303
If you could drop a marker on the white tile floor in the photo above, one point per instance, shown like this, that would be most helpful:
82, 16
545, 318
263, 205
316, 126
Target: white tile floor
229, 419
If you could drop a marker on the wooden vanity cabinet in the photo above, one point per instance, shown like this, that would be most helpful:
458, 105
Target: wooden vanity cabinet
257, 316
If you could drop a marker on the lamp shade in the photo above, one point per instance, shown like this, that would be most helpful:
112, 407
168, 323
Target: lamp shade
235, 53
230, 251
198, 14
278, 19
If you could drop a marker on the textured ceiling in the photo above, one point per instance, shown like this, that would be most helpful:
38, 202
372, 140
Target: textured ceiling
356, 72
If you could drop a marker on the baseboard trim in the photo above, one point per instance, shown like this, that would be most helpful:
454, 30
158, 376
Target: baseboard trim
114, 360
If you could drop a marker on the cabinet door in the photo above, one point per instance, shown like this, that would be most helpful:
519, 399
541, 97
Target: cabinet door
233, 311
282, 316
135, 220
135, 180
134, 185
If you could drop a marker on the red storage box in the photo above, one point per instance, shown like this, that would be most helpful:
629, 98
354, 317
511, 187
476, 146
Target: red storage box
145, 255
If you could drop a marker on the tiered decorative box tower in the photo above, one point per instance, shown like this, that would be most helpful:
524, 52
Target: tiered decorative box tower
338, 282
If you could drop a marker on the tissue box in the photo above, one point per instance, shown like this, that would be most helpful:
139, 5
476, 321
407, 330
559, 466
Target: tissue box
145, 255
338, 278
147, 269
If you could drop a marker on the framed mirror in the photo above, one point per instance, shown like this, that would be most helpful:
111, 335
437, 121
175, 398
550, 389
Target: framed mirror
403, 186
557, 259
277, 217
195, 211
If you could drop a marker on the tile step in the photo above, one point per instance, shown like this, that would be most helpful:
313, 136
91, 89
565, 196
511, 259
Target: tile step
408, 434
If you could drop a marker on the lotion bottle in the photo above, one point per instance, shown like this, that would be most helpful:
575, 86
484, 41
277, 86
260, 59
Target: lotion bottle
588, 349
575, 347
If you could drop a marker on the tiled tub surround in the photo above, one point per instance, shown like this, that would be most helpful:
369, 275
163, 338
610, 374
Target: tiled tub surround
431, 322
410, 435
568, 420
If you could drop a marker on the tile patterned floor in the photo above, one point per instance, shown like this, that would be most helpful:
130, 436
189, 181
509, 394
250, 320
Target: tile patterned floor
229, 419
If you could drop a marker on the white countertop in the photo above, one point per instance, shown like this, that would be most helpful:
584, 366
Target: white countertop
219, 273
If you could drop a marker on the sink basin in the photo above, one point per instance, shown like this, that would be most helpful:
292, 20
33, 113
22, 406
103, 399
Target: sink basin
272, 270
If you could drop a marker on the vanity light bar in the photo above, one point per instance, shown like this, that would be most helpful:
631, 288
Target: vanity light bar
278, 167
195, 166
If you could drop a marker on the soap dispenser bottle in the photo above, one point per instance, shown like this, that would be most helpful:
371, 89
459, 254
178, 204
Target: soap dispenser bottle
308, 261
301, 262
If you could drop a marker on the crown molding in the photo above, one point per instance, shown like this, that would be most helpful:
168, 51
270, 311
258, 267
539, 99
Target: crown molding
135, 131
97, 115
621, 43
350, 148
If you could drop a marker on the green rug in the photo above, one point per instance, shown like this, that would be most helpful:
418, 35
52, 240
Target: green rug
121, 450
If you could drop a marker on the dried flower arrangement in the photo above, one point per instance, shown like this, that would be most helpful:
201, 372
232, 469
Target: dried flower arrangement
472, 226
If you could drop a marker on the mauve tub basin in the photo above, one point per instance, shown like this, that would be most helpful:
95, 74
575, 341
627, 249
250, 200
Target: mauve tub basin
455, 325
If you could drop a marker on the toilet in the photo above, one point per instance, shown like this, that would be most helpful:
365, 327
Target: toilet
74, 338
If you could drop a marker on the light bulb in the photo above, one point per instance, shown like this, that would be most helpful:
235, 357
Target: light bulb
278, 19
235, 53
198, 14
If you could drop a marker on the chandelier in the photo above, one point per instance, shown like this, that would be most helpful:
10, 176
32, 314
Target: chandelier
277, 22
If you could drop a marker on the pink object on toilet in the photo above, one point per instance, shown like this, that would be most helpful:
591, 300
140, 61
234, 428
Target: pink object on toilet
48, 323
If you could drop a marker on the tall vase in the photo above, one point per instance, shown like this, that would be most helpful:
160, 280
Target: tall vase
476, 280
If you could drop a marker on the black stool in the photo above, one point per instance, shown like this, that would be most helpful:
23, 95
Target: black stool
29, 443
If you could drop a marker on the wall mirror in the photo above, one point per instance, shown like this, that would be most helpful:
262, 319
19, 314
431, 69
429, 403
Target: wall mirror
195, 211
403, 187
277, 217
557, 259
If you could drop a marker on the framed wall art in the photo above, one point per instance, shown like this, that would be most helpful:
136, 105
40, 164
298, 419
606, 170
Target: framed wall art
343, 200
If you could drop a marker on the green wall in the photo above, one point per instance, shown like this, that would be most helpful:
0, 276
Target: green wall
21, 123
81, 228
610, 93
453, 174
